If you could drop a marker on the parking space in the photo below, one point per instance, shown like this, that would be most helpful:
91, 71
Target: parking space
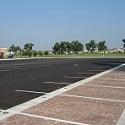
108, 82
116, 94
31, 120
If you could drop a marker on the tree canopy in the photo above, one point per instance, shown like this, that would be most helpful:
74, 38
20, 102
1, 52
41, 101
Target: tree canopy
102, 46
65, 47
28, 46
123, 40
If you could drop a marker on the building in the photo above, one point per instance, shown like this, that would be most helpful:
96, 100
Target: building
117, 50
3, 52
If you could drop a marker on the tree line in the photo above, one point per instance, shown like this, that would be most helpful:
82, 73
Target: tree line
26, 51
63, 47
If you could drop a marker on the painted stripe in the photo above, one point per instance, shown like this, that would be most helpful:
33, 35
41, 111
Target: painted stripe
20, 68
112, 79
96, 70
41, 99
28, 65
40, 65
114, 87
73, 77
85, 73
57, 83
29, 91
93, 98
4, 70
18, 64
53, 119
121, 120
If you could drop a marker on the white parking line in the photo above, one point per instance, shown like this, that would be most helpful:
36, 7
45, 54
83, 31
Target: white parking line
93, 98
84, 73
52, 119
28, 65
57, 83
39, 65
96, 70
18, 64
76, 65
28, 91
75, 77
114, 87
112, 79
20, 68
5, 70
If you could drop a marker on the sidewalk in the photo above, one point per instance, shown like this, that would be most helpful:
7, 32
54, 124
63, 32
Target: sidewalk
99, 100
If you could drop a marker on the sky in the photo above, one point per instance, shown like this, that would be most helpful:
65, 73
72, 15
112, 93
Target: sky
44, 22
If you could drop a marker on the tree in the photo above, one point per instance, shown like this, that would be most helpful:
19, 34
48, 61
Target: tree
15, 49
93, 45
102, 46
123, 44
56, 48
77, 46
40, 53
69, 47
12, 48
24, 52
46, 53
34, 52
28, 46
88, 47
63, 47
123, 40
29, 52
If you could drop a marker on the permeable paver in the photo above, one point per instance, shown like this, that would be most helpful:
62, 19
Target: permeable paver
26, 120
80, 110
99, 92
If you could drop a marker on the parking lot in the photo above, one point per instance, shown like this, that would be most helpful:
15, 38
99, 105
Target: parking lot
23, 80
62, 92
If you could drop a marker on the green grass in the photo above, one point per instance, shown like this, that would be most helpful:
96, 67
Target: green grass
84, 55
92, 55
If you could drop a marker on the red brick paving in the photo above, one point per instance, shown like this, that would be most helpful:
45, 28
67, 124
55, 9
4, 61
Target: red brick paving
99, 92
105, 82
25, 120
80, 110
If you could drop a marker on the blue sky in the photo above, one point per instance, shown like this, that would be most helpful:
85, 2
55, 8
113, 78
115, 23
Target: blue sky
44, 22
